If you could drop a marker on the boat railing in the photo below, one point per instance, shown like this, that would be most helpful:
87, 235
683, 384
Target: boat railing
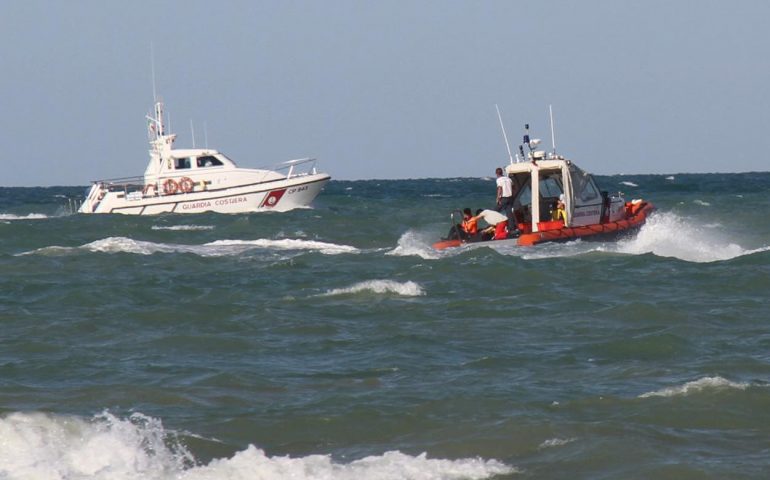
291, 170
127, 184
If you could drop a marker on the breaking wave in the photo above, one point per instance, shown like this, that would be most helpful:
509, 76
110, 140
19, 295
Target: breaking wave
216, 248
42, 446
705, 383
629, 184
405, 289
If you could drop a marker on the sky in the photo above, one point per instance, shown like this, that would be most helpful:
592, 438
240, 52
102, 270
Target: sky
384, 89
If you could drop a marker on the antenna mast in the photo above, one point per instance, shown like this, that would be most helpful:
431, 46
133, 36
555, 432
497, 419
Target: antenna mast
192, 131
505, 137
152, 61
553, 136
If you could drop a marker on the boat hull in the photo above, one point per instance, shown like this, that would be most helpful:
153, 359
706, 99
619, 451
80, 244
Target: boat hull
638, 214
279, 196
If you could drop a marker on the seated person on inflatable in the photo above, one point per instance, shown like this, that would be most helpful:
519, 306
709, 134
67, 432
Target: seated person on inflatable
496, 229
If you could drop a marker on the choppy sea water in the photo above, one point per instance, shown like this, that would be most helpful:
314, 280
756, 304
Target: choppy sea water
334, 343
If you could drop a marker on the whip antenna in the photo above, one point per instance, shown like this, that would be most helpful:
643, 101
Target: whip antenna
505, 137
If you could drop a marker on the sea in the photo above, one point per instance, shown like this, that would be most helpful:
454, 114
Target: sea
334, 342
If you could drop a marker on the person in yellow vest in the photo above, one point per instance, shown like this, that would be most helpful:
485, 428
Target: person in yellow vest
560, 212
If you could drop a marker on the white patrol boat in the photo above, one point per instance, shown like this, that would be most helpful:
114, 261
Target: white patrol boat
203, 180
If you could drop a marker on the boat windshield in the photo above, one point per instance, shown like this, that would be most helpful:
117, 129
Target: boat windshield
584, 186
550, 187
208, 161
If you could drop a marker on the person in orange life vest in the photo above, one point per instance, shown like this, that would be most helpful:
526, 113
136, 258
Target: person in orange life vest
470, 223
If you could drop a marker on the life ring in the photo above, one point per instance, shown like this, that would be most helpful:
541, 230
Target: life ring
170, 186
186, 184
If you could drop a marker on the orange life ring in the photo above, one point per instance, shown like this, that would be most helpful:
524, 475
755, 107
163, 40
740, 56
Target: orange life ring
170, 186
186, 184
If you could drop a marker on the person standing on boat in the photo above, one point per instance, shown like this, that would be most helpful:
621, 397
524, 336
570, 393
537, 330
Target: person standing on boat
505, 197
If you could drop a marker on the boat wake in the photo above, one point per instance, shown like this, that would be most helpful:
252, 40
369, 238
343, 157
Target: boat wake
705, 383
218, 248
669, 235
405, 289
45, 447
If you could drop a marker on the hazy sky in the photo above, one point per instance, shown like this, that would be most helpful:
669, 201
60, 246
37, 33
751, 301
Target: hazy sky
385, 89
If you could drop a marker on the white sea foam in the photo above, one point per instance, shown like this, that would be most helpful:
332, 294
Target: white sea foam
705, 383
405, 289
556, 442
288, 244
183, 227
105, 447
417, 244
668, 235
29, 216
670, 177
216, 248
701, 203
629, 184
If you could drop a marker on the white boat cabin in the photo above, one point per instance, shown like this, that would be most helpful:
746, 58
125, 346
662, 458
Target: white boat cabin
539, 184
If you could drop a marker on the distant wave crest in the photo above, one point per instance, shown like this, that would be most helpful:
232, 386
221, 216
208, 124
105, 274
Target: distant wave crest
556, 442
705, 383
183, 227
406, 289
29, 216
216, 248
52, 447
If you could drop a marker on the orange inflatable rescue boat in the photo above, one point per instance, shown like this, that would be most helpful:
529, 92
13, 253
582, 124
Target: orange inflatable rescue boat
545, 183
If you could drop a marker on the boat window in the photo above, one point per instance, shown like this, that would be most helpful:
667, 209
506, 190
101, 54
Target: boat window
182, 163
209, 161
589, 191
584, 187
549, 187
524, 196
